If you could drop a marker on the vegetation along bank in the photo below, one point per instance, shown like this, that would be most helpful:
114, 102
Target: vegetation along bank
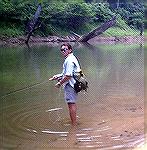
61, 20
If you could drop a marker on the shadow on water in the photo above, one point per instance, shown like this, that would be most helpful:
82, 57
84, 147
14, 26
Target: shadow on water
35, 116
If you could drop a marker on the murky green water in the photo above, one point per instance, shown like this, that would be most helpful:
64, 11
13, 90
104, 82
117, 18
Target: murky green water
34, 116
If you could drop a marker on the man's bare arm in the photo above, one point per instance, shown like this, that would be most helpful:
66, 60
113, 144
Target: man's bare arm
66, 78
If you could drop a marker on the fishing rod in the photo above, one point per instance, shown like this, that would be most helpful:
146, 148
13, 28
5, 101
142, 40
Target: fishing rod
25, 88
29, 87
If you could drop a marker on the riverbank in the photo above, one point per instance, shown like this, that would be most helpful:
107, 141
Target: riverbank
56, 39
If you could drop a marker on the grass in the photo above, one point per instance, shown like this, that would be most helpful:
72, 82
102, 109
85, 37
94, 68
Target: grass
10, 31
13, 31
116, 31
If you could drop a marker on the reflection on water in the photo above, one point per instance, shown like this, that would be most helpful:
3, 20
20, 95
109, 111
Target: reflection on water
35, 116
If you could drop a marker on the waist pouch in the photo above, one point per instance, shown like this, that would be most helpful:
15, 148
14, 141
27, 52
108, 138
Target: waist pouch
81, 84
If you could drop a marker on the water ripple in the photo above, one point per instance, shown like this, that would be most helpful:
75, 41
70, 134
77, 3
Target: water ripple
26, 123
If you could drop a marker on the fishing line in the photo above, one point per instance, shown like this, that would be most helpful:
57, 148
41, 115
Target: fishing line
52, 110
23, 89
57, 104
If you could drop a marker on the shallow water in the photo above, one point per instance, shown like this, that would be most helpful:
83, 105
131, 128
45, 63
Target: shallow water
35, 116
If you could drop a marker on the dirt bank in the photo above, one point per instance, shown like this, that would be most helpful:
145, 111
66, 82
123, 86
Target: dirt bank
56, 39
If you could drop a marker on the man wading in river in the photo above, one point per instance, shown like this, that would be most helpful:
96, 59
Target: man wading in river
70, 67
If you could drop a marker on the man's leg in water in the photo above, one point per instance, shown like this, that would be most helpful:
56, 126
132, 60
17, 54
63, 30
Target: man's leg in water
70, 98
72, 111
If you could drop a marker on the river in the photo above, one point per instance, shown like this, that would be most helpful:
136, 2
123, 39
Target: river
34, 115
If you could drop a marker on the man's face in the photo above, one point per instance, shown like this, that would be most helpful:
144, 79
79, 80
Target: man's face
65, 51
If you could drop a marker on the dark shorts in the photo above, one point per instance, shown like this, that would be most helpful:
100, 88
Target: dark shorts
70, 94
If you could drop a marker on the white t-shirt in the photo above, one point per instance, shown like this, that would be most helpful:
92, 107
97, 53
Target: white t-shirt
70, 67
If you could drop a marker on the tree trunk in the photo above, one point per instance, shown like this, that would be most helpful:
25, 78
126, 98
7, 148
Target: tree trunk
98, 30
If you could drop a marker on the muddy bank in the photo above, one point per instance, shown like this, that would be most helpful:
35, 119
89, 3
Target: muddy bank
56, 39
125, 39
37, 39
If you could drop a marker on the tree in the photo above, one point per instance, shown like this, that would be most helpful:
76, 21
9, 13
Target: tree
98, 30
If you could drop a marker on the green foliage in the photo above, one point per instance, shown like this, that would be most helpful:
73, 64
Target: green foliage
61, 16
68, 15
132, 13
119, 32
14, 15
76, 15
10, 30
102, 12
121, 23
12, 9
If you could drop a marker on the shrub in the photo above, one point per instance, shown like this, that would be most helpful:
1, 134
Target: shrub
133, 14
102, 12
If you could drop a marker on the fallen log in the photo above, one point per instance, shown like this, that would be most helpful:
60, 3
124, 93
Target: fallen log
33, 23
98, 30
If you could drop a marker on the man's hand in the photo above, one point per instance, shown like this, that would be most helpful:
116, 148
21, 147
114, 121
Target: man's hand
56, 77
58, 85
52, 78
66, 78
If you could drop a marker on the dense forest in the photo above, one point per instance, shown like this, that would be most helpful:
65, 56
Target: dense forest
61, 17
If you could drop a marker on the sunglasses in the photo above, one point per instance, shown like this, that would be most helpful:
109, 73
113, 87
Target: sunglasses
64, 49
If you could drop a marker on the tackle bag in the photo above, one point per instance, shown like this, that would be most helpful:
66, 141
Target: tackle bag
81, 83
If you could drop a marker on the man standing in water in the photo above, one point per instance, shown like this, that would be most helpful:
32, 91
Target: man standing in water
70, 68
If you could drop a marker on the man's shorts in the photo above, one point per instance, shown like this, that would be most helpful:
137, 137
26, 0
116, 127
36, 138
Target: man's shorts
70, 94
